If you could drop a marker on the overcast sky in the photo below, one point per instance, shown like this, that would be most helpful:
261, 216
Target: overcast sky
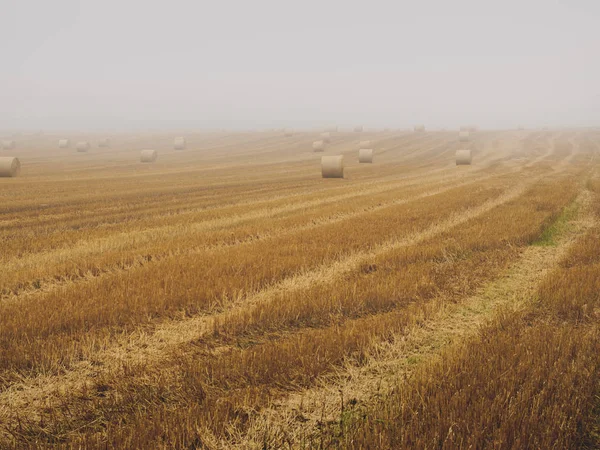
118, 64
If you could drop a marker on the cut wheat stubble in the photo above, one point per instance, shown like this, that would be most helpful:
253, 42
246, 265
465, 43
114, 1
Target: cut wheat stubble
125, 240
140, 261
141, 347
143, 351
299, 416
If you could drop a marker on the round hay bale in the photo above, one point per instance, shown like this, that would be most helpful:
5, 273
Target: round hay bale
326, 136
365, 155
104, 143
8, 144
318, 146
289, 133
464, 136
419, 128
332, 166
64, 143
358, 129
470, 128
179, 143
148, 156
82, 146
9, 166
364, 144
463, 157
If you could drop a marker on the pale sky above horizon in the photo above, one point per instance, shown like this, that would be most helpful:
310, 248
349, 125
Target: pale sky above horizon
112, 64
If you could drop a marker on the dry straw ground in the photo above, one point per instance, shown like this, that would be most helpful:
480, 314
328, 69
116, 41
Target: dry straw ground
228, 296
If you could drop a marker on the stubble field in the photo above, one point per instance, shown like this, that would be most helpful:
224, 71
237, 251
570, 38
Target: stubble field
226, 296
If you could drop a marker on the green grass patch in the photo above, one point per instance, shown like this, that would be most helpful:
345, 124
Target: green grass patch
552, 232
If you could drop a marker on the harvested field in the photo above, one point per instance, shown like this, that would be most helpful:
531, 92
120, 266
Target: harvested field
228, 296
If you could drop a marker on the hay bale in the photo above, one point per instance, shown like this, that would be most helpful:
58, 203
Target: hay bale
463, 157
82, 146
8, 144
9, 166
470, 128
318, 146
419, 128
364, 144
358, 129
148, 156
365, 155
104, 143
64, 143
179, 143
464, 136
289, 133
326, 136
332, 166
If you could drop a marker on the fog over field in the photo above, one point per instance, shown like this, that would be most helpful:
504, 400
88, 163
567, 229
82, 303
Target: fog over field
94, 65
251, 225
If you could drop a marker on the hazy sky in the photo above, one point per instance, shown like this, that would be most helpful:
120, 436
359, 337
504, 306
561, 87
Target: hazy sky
260, 63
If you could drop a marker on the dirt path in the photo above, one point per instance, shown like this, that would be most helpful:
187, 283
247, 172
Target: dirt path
298, 416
